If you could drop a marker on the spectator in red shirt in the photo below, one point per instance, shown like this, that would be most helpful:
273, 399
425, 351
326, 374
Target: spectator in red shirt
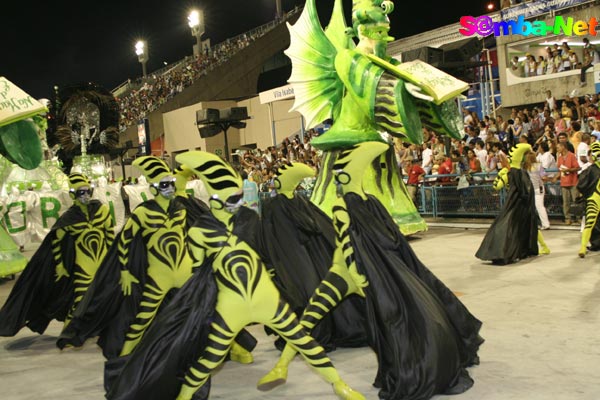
568, 167
415, 175
444, 169
592, 112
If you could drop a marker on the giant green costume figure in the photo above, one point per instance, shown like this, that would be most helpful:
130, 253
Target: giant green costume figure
177, 362
369, 98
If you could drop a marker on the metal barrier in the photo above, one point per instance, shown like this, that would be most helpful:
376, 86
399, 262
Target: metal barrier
477, 200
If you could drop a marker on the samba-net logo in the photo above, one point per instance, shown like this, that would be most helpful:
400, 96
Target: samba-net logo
485, 26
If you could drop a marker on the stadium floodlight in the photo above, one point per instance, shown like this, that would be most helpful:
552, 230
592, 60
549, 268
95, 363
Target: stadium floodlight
141, 50
196, 24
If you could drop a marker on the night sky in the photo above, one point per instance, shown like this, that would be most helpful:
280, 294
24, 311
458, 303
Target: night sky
67, 42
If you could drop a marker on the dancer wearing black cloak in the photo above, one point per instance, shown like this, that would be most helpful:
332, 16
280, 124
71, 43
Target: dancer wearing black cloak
423, 336
60, 271
514, 234
588, 185
141, 273
193, 334
298, 243
148, 260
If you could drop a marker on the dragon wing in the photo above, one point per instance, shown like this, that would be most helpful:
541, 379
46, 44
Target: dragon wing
317, 87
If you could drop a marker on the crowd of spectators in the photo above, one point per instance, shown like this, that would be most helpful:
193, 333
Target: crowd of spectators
261, 164
149, 93
482, 152
557, 58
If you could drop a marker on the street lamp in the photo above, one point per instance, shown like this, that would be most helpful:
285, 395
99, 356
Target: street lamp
141, 49
196, 23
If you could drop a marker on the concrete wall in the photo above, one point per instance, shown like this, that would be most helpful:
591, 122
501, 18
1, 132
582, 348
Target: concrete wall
181, 132
235, 79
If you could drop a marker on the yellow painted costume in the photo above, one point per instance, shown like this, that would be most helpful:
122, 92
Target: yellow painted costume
514, 234
163, 230
147, 261
423, 336
591, 191
60, 272
244, 294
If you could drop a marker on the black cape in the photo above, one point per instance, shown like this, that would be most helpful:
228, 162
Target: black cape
36, 299
104, 311
513, 234
423, 336
586, 185
178, 336
155, 370
298, 241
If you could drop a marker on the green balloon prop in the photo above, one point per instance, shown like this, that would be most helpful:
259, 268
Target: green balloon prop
20, 144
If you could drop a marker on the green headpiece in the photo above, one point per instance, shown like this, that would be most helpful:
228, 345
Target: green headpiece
352, 163
77, 180
218, 176
289, 177
517, 153
153, 168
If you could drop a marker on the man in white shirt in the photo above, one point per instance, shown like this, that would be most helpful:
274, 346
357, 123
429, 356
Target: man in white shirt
427, 157
546, 159
583, 149
481, 153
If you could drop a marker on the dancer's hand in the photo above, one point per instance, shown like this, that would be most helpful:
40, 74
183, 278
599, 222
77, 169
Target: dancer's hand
60, 272
126, 280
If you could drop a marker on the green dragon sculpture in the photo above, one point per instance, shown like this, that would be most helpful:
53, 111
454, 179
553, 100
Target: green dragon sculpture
370, 97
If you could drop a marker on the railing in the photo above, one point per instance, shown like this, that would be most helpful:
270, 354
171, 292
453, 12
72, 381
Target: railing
479, 200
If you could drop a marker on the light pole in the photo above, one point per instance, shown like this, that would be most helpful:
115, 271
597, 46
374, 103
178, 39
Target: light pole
141, 49
196, 23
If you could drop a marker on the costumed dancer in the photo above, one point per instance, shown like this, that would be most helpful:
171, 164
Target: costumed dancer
367, 93
423, 336
16, 127
243, 294
149, 259
244, 224
148, 262
60, 272
298, 242
193, 205
588, 185
514, 234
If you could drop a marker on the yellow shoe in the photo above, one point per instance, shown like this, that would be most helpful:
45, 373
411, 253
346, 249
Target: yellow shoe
277, 376
186, 392
241, 355
544, 250
344, 391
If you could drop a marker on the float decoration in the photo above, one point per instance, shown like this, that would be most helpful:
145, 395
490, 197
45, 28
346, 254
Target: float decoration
368, 96
16, 134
